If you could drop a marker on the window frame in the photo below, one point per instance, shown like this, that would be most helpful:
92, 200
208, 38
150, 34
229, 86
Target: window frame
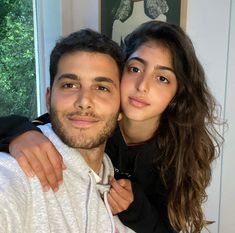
47, 30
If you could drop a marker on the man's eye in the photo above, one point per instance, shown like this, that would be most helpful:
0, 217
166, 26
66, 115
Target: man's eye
70, 85
102, 88
163, 79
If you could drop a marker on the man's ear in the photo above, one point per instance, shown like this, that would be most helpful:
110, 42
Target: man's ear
48, 99
119, 116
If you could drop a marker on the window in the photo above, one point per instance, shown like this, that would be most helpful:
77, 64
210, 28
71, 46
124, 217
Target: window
28, 32
47, 30
17, 59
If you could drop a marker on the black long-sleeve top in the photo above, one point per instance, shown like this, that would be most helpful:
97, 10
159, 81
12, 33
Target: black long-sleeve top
148, 212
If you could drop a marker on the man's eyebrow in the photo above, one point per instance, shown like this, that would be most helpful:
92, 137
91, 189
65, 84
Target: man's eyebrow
76, 78
68, 76
103, 79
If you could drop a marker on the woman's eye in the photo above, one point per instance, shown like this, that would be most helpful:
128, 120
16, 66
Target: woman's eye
163, 79
134, 69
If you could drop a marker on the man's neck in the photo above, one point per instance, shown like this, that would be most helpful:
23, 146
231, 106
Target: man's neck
93, 157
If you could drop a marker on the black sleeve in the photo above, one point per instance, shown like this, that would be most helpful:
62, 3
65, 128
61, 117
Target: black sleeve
12, 126
143, 217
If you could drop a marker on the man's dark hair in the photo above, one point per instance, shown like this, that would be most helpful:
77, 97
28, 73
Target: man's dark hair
85, 40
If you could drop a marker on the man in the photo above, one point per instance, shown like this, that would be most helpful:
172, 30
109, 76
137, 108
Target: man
83, 101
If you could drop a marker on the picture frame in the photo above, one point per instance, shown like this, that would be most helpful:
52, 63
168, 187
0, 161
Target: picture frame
174, 12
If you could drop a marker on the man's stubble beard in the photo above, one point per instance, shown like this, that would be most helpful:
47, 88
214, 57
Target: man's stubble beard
78, 140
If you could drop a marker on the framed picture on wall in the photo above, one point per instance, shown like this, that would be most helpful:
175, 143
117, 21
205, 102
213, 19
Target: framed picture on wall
120, 17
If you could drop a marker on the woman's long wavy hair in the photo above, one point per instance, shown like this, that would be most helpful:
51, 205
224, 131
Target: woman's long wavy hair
186, 136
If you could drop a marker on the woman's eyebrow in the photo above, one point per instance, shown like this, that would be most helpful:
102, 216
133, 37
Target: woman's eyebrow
157, 67
141, 60
161, 67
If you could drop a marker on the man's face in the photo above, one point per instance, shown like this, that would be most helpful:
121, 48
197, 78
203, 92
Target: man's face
85, 99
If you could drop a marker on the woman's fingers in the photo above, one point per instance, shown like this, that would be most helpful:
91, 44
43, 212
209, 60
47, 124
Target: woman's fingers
120, 195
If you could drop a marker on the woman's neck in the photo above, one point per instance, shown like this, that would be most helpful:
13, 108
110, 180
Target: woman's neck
137, 132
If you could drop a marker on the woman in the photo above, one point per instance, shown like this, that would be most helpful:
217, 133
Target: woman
164, 143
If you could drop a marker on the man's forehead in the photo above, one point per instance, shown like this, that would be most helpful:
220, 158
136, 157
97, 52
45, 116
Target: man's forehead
97, 66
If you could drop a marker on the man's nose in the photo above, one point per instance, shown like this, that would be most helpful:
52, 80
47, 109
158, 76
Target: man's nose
84, 99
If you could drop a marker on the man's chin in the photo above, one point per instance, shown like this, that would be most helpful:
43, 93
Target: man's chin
82, 140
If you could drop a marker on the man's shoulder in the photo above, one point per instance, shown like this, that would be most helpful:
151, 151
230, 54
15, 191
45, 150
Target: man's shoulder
7, 162
14, 192
11, 175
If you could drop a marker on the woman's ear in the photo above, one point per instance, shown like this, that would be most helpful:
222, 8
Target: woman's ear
48, 99
119, 116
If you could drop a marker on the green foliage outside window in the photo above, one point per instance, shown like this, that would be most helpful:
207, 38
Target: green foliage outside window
17, 60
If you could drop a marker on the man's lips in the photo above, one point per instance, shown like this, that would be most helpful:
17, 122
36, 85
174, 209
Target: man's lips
138, 102
83, 121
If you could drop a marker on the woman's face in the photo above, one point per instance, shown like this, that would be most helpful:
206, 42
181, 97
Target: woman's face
148, 83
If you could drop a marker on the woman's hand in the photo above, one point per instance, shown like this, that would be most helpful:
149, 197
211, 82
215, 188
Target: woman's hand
36, 155
120, 195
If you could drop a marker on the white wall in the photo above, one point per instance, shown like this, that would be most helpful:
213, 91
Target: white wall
211, 26
227, 210
81, 14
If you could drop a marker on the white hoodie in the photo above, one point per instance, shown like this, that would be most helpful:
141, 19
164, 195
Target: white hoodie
80, 205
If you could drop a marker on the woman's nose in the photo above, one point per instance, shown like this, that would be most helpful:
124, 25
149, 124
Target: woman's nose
142, 84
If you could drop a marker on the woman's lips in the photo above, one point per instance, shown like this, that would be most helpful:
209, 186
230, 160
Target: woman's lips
138, 102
